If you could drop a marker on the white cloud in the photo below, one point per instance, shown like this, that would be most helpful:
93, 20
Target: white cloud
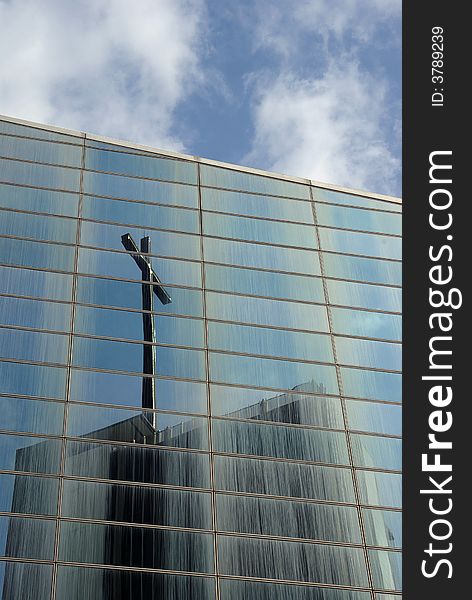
105, 66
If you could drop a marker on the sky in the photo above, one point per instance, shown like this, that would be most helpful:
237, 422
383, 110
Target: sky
309, 88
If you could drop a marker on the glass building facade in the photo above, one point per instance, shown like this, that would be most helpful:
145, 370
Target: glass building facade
200, 379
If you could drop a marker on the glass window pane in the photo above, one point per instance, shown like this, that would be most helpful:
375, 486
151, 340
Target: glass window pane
377, 452
162, 242
283, 408
23, 453
37, 132
121, 264
264, 341
373, 385
237, 180
129, 325
35, 254
266, 312
27, 538
364, 295
32, 380
358, 268
138, 464
137, 427
41, 175
383, 527
140, 189
45, 201
264, 283
366, 244
324, 195
136, 547
367, 353
258, 590
134, 504
33, 345
266, 372
122, 356
256, 205
284, 518
134, 213
29, 495
76, 583
374, 417
386, 569
261, 257
107, 292
276, 478
112, 388
23, 282
141, 166
262, 439
367, 324
380, 489
42, 151
27, 581
38, 227
34, 313
31, 416
291, 560
353, 218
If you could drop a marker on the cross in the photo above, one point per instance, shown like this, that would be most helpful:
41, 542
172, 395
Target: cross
151, 285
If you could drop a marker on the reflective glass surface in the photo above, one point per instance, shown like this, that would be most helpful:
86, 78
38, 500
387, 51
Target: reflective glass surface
257, 590
368, 353
359, 268
41, 151
386, 569
33, 345
39, 227
334, 197
366, 244
383, 527
31, 416
37, 132
41, 284
367, 324
380, 489
34, 313
59, 178
27, 538
35, 254
374, 385
364, 295
377, 452
31, 454
32, 380
36, 200
363, 220
28, 581
374, 417
28, 495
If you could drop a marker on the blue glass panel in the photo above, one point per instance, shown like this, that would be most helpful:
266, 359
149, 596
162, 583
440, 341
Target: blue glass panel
42, 151
373, 385
353, 218
33, 345
366, 324
55, 229
376, 452
39, 175
367, 353
32, 380
49, 202
27, 538
374, 417
31, 416
36, 132
362, 269
383, 527
363, 295
35, 313
366, 244
380, 489
36, 254
386, 569
30, 454
324, 195
28, 495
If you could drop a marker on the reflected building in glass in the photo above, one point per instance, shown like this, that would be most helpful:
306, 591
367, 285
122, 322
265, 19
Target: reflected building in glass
200, 378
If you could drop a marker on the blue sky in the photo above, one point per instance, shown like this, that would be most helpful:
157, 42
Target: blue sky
303, 87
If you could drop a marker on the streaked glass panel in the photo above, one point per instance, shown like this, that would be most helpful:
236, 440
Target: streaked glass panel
367, 353
39, 227
129, 325
353, 218
273, 313
259, 590
276, 478
374, 385
367, 324
140, 189
35, 313
374, 417
45, 201
31, 416
266, 405
41, 175
265, 341
162, 242
366, 244
264, 283
261, 439
386, 569
237, 180
135, 504
324, 195
259, 230
41, 151
113, 388
261, 257
284, 518
123, 356
76, 583
28, 581
23, 282
291, 560
377, 452
32, 380
137, 427
108, 292
35, 254
121, 264
33, 345
380, 489
266, 372
27, 538
36, 132
35, 455
140, 166
383, 527
256, 205
29, 495
358, 268
363, 295
137, 464
136, 547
